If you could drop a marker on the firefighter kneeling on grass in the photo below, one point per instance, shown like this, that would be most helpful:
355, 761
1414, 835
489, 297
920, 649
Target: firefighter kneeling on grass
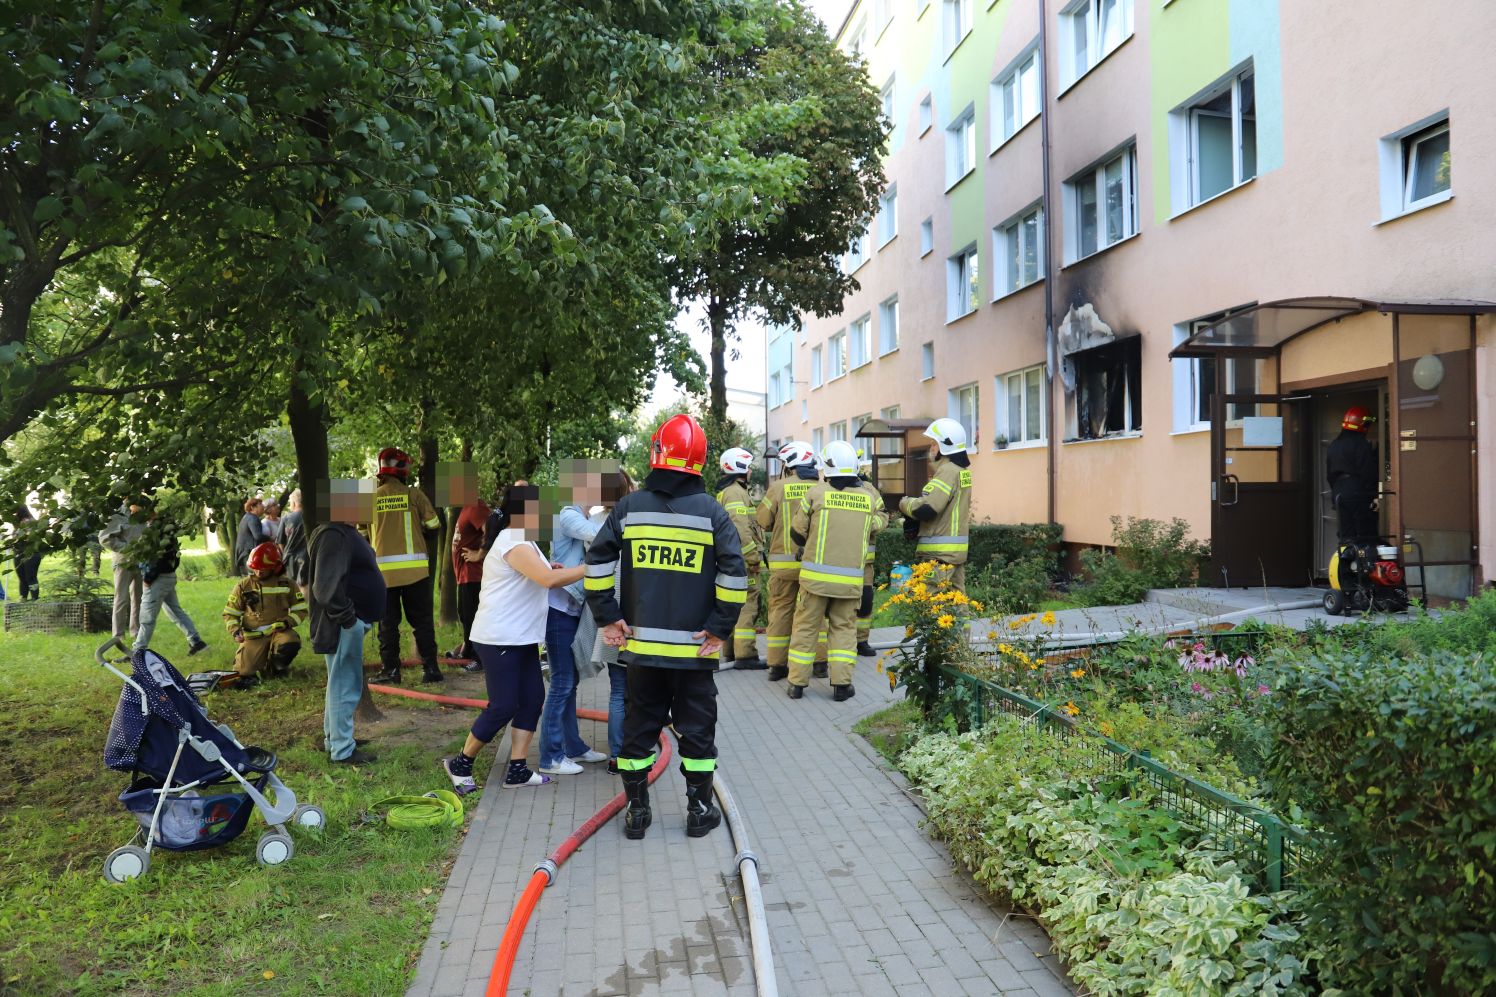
833, 522
683, 584
941, 514
262, 615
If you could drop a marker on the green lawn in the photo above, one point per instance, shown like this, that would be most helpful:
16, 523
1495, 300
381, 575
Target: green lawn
347, 915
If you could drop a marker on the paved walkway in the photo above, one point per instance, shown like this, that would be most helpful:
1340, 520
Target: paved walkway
860, 900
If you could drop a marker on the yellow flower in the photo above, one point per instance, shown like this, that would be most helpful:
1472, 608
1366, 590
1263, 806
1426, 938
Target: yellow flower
1072, 709
1048, 619
1041, 661
946, 621
1106, 728
893, 679
883, 587
974, 605
880, 664
992, 635
1077, 673
908, 631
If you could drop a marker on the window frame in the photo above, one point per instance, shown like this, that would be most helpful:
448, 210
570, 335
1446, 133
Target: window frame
1410, 146
883, 12
858, 251
839, 426
817, 376
956, 409
818, 440
1396, 154
926, 114
957, 30
1002, 256
1013, 74
888, 307
961, 136
1087, 14
788, 372
776, 397
1095, 175
1185, 145
888, 215
889, 97
860, 332
963, 277
836, 367
927, 236
1002, 397
1132, 423
927, 361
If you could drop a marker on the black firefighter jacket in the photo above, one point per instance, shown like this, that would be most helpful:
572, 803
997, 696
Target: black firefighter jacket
681, 570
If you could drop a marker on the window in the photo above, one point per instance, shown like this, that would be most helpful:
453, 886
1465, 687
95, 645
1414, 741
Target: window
926, 236
1415, 167
804, 411
837, 361
1019, 248
787, 379
962, 284
1103, 206
775, 398
818, 440
888, 326
926, 114
927, 361
957, 22
960, 147
858, 44
888, 445
1020, 407
1015, 97
858, 421
882, 14
860, 341
1197, 379
963, 408
888, 216
815, 367
1218, 146
838, 432
890, 105
1108, 396
857, 251
1089, 31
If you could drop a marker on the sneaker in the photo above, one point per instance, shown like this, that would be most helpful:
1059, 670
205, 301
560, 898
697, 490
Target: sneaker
473, 666
197, 645
564, 767
462, 784
796, 691
842, 693
454, 655
357, 757
818, 670
613, 766
592, 756
865, 650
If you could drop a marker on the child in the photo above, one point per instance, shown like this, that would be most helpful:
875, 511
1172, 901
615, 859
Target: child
262, 614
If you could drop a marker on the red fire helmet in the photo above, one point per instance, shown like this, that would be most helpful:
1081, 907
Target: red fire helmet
394, 461
266, 557
1355, 419
679, 445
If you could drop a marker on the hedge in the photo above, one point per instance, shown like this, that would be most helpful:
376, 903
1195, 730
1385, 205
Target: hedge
989, 542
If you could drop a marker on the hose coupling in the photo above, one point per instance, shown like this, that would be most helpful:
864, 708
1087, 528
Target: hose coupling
549, 868
746, 855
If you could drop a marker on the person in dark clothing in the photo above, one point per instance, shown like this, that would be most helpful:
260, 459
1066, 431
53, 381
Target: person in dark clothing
346, 595
467, 570
682, 583
159, 578
28, 557
251, 534
1353, 472
291, 535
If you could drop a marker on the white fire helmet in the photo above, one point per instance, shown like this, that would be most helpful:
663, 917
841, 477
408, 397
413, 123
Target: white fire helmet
840, 459
796, 454
949, 434
736, 460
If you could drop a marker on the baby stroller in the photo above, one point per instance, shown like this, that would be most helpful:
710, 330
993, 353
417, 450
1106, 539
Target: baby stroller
183, 766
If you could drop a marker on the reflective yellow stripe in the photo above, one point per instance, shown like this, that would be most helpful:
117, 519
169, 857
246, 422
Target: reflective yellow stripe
698, 764
731, 595
802, 657
432, 523
597, 584
737, 507
779, 642
842, 656
679, 533
745, 633
655, 649
636, 764
784, 565
942, 548
822, 576
230, 611
275, 590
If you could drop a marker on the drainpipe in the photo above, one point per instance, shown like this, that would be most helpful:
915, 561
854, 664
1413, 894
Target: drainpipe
1051, 348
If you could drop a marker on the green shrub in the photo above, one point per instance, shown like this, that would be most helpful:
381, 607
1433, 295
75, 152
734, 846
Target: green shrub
991, 543
1395, 761
1132, 900
1014, 588
1149, 554
197, 567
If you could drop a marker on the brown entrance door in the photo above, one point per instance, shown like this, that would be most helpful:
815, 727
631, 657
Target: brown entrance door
1260, 515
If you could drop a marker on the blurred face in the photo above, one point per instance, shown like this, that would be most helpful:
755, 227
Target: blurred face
257, 507
528, 519
267, 571
347, 500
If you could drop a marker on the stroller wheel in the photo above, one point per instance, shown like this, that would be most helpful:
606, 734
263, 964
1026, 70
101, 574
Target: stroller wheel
127, 863
310, 817
274, 848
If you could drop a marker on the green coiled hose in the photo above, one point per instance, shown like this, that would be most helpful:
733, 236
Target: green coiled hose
438, 808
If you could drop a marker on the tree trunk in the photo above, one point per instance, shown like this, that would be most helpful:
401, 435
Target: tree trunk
308, 421
447, 601
429, 456
716, 312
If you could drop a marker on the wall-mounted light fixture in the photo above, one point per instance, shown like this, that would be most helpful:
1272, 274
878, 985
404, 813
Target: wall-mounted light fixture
1428, 372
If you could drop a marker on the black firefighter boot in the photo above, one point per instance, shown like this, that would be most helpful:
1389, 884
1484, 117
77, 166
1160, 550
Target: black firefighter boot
388, 675
818, 670
701, 813
431, 672
636, 819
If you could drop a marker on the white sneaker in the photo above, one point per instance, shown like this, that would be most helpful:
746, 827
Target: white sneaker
593, 755
564, 767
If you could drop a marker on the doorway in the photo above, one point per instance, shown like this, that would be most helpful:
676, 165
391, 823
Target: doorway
1326, 409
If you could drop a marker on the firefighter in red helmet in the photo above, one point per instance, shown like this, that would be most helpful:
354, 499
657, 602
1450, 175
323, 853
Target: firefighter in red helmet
1353, 472
404, 524
682, 585
262, 615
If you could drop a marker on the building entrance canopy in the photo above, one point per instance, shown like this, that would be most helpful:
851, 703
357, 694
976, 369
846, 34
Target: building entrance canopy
1262, 329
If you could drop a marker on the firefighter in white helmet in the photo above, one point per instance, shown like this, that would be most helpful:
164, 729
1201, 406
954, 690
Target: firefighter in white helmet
880, 520
774, 515
736, 464
942, 511
833, 521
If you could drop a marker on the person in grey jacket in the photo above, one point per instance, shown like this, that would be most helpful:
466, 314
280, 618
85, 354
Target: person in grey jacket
122, 529
345, 592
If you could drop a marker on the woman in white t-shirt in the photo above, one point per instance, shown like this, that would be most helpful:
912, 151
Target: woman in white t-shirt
506, 635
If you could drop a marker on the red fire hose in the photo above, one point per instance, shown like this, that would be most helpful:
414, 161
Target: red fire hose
545, 873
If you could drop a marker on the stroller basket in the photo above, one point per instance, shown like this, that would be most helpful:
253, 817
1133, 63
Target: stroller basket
189, 821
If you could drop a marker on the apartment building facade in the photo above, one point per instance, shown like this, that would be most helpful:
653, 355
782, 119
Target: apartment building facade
1148, 251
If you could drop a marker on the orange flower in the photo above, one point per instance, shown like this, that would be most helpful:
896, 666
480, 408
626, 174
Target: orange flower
1072, 709
1077, 673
